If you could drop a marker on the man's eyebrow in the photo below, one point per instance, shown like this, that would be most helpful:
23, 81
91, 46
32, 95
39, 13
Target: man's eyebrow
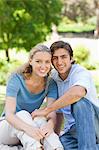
60, 55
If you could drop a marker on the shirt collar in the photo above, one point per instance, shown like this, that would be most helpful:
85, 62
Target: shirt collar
68, 78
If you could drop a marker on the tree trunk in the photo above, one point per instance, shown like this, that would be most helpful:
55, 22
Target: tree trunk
7, 55
97, 24
97, 18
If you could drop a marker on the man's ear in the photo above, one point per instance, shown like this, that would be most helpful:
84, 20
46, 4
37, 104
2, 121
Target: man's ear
72, 60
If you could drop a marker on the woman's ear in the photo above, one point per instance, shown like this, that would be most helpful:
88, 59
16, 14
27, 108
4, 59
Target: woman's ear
30, 62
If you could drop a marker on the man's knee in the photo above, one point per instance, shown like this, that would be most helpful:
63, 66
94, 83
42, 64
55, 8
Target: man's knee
82, 105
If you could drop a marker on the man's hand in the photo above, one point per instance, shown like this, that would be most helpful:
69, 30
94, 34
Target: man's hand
39, 112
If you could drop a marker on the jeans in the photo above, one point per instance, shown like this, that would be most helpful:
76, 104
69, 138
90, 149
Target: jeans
84, 135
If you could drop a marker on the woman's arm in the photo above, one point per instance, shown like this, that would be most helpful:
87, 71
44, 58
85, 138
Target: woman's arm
51, 118
52, 115
10, 109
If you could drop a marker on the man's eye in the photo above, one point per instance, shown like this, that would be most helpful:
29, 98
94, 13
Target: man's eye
54, 58
64, 56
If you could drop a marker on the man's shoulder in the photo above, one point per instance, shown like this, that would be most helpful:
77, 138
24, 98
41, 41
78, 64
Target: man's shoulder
78, 68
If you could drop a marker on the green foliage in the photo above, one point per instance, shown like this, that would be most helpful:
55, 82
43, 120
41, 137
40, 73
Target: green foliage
75, 27
81, 53
95, 76
1, 108
82, 56
79, 10
6, 68
92, 21
25, 23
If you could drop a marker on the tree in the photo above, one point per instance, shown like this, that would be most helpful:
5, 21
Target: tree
25, 23
81, 10
96, 4
78, 10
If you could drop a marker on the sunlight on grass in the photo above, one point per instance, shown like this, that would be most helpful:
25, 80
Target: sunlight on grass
78, 28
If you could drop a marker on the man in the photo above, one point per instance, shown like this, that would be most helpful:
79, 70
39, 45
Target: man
77, 100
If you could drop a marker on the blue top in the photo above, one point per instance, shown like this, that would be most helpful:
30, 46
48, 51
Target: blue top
25, 100
78, 75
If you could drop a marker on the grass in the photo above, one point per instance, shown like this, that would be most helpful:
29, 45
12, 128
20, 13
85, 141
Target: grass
1, 108
75, 28
2, 98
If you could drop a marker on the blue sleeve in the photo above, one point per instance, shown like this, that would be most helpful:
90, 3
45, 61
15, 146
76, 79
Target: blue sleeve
52, 89
12, 86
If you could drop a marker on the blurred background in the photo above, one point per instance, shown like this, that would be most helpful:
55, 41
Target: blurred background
24, 23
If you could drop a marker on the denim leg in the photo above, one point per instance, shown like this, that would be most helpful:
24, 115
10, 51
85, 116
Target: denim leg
96, 109
84, 115
69, 139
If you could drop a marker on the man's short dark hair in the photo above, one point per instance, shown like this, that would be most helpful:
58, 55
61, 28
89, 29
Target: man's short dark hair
61, 44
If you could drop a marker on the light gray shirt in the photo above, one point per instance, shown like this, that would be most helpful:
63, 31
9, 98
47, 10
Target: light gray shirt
78, 76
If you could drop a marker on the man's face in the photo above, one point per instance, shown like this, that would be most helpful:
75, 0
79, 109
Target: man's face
62, 62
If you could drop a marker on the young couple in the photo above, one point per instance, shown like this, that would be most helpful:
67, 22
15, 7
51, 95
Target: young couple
77, 103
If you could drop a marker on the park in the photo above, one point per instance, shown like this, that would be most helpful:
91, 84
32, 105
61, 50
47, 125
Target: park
23, 24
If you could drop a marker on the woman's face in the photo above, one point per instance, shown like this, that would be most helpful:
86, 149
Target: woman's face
41, 63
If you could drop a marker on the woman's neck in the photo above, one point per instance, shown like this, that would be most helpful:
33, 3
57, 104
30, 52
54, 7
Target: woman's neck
36, 84
36, 79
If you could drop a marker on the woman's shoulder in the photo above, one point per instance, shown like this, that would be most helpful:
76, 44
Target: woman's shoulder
15, 77
51, 82
50, 79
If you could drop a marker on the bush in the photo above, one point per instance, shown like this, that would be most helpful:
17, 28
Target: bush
6, 68
95, 75
82, 56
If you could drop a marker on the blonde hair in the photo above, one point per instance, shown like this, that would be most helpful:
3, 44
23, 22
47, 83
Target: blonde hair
26, 69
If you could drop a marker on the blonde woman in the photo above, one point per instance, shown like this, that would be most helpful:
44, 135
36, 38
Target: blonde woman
25, 92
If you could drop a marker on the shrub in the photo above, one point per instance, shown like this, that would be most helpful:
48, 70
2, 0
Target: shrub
6, 68
82, 56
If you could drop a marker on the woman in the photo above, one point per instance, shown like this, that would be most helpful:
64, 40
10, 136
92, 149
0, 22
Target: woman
26, 90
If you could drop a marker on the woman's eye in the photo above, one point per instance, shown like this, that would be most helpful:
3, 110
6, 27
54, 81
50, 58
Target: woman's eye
48, 62
37, 61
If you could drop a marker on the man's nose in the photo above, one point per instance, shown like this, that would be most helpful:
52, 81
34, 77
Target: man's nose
59, 61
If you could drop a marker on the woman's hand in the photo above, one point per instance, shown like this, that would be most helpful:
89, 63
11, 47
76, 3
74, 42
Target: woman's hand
34, 132
47, 129
39, 112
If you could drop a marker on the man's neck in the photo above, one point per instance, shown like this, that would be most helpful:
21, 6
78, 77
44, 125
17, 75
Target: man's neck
64, 76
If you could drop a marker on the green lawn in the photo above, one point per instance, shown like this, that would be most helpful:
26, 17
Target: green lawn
2, 98
77, 28
1, 108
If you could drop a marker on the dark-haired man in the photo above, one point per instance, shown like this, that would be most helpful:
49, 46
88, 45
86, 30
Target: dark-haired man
77, 101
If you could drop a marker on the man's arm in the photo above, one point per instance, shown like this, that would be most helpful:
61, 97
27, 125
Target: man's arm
71, 96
